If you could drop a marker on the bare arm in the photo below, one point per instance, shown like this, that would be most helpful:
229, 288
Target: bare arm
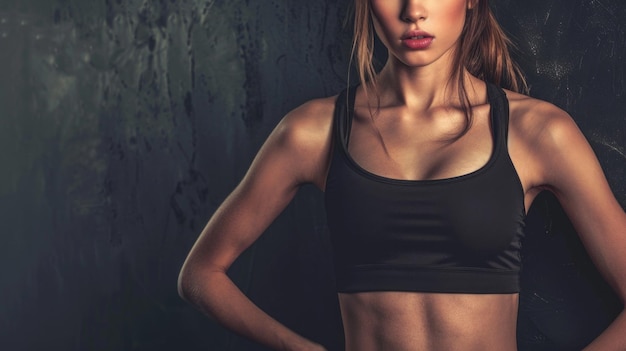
569, 168
295, 153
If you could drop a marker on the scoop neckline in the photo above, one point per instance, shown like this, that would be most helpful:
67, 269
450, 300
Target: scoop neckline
495, 152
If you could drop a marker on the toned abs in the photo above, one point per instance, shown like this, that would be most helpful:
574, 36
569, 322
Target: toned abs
409, 321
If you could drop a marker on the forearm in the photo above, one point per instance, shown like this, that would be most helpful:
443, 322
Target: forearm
217, 296
613, 338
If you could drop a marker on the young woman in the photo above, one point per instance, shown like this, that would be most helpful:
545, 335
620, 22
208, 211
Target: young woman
428, 169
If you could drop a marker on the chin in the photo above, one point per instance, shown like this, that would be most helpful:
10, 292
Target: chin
415, 62
422, 58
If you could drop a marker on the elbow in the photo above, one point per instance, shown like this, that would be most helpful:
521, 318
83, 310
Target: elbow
187, 284
183, 284
198, 288
196, 285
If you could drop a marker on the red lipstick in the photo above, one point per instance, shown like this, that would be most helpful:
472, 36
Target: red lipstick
417, 39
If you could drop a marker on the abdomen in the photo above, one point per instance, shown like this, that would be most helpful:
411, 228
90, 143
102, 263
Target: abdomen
413, 321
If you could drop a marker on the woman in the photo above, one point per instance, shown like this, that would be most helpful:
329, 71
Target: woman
428, 170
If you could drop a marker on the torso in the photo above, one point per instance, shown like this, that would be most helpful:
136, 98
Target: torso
433, 321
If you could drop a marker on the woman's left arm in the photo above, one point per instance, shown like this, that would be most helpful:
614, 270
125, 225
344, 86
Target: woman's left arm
570, 169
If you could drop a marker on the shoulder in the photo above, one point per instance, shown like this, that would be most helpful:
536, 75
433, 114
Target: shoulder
536, 118
311, 120
547, 136
303, 138
540, 123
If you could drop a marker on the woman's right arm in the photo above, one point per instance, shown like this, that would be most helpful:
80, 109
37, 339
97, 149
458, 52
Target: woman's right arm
295, 153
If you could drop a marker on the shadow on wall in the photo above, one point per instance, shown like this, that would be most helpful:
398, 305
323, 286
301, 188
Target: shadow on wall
126, 123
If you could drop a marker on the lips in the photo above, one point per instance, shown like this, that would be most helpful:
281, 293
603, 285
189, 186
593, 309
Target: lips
417, 39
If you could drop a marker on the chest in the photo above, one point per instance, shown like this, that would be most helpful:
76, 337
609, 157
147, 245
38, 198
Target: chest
397, 146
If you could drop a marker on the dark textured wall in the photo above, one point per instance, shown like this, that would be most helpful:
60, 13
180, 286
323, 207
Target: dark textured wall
125, 123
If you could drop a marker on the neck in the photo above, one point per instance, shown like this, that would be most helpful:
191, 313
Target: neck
420, 88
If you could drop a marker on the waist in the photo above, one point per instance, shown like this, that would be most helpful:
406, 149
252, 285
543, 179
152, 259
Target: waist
428, 321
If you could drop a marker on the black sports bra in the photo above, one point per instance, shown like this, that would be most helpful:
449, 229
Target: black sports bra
453, 235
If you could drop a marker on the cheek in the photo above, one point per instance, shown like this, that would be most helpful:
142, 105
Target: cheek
454, 15
381, 8
381, 12
382, 19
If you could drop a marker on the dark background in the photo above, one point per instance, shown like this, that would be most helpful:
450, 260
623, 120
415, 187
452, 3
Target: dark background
125, 123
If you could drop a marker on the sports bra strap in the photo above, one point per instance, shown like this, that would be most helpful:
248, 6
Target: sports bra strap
344, 113
500, 106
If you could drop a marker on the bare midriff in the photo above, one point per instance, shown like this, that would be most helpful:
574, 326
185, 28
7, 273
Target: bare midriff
410, 321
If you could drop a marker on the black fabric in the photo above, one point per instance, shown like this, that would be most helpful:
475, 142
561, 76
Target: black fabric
457, 235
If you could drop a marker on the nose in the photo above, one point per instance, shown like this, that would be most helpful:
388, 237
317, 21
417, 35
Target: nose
413, 11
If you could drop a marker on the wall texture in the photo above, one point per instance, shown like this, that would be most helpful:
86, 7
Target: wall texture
125, 123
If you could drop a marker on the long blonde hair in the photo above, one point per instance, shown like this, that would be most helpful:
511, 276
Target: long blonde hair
483, 51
